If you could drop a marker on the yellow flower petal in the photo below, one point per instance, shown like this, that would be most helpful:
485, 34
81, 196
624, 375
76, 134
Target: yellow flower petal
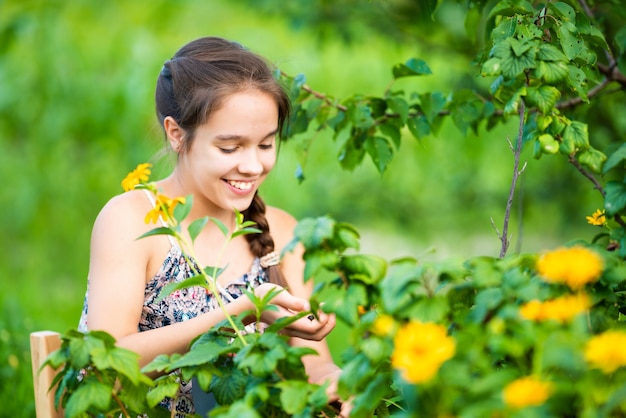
526, 391
420, 350
575, 266
606, 351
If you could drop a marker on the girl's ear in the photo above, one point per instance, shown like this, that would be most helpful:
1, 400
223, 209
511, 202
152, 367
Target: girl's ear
175, 134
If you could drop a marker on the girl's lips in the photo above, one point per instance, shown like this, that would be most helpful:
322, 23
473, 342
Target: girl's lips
240, 186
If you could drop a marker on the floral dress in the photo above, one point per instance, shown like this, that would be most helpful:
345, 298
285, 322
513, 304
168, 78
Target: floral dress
184, 304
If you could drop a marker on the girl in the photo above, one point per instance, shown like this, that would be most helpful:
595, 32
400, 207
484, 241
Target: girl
222, 112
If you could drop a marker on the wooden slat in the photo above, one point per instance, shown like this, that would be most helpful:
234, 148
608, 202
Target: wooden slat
42, 343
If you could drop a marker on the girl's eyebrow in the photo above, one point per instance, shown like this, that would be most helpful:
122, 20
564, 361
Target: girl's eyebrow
235, 137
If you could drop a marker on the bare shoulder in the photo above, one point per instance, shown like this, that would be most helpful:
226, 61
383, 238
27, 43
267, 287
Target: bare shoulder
281, 224
123, 215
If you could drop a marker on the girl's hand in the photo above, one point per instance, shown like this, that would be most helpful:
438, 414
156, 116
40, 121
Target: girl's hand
309, 328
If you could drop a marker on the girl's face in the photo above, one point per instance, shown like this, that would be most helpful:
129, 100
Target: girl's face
232, 153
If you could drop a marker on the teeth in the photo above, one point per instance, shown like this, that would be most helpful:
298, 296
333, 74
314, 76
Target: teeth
241, 185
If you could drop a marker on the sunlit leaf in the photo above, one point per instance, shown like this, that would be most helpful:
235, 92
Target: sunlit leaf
577, 132
544, 97
371, 266
412, 67
196, 227
95, 394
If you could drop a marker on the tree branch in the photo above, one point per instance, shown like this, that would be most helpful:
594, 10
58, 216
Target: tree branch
516, 173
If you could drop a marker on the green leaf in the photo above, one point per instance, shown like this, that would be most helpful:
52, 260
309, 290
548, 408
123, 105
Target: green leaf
181, 210
196, 227
510, 8
551, 72
352, 152
432, 309
616, 158
198, 280
245, 231
162, 391
548, 52
312, 232
514, 65
549, 145
372, 268
347, 236
399, 106
615, 198
220, 225
392, 132
380, 150
577, 80
123, 361
92, 395
418, 126
412, 67
431, 104
505, 29
260, 361
491, 67
578, 133
293, 395
162, 230
317, 260
564, 10
201, 353
544, 97
230, 386
592, 159
511, 107
572, 46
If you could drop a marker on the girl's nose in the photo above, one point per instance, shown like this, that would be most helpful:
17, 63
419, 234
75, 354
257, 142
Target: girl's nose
251, 162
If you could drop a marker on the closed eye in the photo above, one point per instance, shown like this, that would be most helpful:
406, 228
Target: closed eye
227, 150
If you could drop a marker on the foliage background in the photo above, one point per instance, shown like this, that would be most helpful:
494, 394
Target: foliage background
76, 114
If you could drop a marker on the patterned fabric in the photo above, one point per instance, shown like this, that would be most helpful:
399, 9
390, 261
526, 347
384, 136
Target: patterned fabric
183, 304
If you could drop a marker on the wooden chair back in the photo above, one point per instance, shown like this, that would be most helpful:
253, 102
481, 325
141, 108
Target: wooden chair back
42, 343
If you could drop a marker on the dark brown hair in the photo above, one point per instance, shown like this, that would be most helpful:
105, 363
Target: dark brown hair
196, 81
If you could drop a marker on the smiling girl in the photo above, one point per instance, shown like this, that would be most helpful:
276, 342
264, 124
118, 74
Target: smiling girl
222, 112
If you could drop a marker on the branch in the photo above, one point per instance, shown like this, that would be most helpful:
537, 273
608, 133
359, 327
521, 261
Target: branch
596, 184
516, 173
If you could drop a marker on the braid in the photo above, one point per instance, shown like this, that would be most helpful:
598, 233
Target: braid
262, 244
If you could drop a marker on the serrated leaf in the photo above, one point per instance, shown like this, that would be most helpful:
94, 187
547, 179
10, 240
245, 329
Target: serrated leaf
548, 52
616, 158
318, 259
293, 395
564, 10
578, 133
312, 232
544, 97
162, 391
93, 395
371, 267
491, 67
230, 386
615, 198
592, 159
571, 45
412, 67
205, 352
196, 227
123, 361
551, 72
510, 8
577, 80
380, 151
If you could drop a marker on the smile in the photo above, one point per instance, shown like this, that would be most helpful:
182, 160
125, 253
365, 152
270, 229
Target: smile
241, 185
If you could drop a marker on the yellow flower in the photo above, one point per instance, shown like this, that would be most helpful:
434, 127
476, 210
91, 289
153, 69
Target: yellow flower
140, 174
526, 391
383, 325
420, 349
561, 309
598, 218
575, 266
163, 207
607, 351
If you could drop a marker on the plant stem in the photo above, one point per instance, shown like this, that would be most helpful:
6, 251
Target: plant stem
516, 173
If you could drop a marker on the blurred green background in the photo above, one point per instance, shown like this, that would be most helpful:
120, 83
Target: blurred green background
77, 113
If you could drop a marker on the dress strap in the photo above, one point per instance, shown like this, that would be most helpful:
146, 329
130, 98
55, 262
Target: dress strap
153, 203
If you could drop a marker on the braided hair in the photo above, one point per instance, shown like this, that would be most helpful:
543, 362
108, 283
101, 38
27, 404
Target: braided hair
195, 82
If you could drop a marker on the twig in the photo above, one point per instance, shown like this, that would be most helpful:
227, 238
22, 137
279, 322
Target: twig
596, 184
516, 173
